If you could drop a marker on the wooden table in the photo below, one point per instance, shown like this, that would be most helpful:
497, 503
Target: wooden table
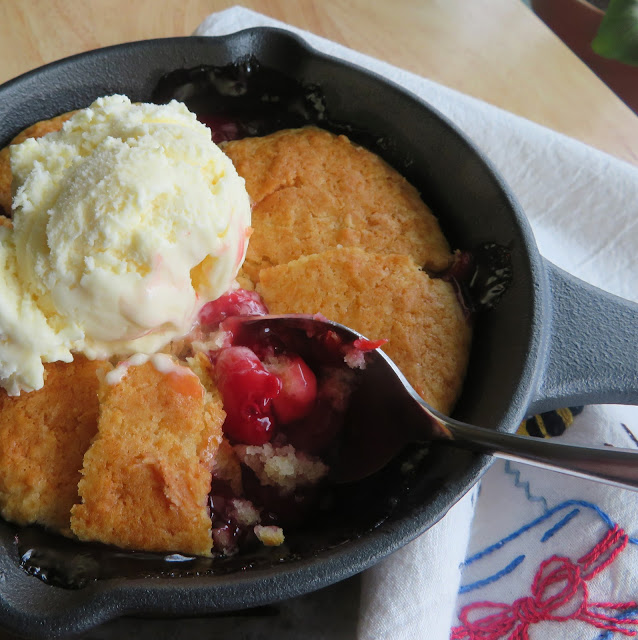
496, 50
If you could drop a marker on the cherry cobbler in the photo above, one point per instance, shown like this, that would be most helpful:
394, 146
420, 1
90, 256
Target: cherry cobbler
224, 439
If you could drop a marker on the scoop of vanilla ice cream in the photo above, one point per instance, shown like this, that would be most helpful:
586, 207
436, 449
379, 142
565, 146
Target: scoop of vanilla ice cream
125, 223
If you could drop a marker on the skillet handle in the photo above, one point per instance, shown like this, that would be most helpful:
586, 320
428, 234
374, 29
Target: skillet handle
618, 467
592, 350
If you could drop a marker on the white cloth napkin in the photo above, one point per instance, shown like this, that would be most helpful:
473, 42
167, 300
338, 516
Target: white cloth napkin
583, 206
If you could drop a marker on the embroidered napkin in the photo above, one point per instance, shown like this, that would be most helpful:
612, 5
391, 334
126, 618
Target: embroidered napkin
542, 551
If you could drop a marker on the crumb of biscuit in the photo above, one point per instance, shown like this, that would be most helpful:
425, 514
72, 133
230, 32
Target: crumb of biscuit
382, 296
355, 359
269, 535
244, 512
244, 280
147, 474
200, 365
313, 190
282, 467
43, 437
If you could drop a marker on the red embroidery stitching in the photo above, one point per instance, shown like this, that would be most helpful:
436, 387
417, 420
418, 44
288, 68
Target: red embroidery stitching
571, 602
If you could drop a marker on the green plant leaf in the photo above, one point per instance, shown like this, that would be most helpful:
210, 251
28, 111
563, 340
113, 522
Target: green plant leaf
617, 37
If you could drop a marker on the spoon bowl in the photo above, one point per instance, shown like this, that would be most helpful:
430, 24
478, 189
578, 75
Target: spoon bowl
385, 414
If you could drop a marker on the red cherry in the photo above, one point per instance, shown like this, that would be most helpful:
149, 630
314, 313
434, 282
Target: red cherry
462, 267
221, 128
298, 390
248, 390
240, 302
363, 344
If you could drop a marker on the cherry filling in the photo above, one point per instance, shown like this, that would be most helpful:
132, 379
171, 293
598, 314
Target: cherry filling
222, 128
285, 398
227, 531
298, 393
248, 390
263, 385
240, 302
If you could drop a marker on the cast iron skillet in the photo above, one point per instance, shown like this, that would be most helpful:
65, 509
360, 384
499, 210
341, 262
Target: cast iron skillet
552, 341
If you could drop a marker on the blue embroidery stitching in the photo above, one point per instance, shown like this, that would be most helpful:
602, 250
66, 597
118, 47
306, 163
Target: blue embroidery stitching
559, 525
607, 635
493, 578
524, 485
509, 470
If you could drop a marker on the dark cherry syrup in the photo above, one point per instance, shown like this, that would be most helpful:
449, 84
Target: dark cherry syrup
243, 99
480, 276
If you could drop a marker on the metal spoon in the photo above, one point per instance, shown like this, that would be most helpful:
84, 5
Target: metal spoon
386, 413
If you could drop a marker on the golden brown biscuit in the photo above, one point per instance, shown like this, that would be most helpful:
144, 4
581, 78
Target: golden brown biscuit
43, 437
225, 464
313, 191
382, 296
227, 467
147, 474
37, 130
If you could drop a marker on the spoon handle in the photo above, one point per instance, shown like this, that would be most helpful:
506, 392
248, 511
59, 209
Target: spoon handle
613, 466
